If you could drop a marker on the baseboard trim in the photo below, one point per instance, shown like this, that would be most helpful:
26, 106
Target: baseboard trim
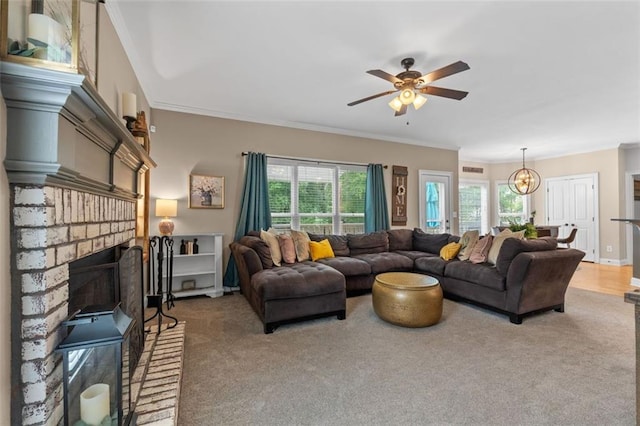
614, 262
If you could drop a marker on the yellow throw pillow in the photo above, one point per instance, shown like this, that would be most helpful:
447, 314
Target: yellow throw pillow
320, 250
450, 251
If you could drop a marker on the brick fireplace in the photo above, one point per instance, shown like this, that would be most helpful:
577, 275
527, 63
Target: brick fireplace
74, 172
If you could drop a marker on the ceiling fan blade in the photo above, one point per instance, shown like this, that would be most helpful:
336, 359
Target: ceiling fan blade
386, 76
445, 93
402, 111
450, 69
368, 98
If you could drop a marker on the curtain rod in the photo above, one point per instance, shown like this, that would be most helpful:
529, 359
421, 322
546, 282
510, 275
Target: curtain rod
310, 160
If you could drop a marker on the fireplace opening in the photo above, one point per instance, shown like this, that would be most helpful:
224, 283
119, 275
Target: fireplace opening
110, 276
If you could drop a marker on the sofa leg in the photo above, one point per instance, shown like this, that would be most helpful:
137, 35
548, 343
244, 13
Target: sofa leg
559, 308
268, 328
342, 315
515, 318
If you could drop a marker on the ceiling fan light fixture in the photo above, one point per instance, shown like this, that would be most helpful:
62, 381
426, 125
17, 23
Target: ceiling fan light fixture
396, 104
524, 181
419, 102
407, 96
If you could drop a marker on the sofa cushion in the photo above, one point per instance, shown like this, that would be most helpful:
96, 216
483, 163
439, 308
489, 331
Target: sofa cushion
481, 274
372, 242
430, 265
468, 241
513, 247
287, 248
320, 249
348, 266
274, 246
296, 281
414, 254
431, 243
386, 262
496, 244
481, 250
400, 239
338, 243
301, 243
260, 247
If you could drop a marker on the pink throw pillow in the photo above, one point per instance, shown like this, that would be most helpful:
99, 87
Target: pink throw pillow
287, 248
481, 250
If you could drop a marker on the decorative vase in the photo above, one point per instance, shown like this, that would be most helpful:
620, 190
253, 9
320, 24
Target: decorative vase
205, 199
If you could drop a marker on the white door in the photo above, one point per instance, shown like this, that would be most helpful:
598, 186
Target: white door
435, 201
571, 204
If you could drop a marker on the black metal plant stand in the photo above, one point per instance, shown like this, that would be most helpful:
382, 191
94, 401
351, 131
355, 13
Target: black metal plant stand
157, 247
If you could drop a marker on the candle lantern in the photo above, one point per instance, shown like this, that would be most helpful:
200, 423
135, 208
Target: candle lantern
96, 374
55, 34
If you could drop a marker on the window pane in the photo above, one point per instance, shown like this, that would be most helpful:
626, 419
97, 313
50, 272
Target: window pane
279, 181
511, 206
471, 207
315, 190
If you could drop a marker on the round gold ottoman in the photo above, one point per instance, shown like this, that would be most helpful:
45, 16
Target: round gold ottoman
407, 299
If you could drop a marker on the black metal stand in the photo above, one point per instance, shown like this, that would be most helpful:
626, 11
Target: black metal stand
154, 300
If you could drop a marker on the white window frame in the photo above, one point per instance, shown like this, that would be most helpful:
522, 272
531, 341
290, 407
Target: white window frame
526, 203
335, 196
486, 216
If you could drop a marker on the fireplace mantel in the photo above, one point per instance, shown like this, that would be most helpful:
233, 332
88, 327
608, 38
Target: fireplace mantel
61, 132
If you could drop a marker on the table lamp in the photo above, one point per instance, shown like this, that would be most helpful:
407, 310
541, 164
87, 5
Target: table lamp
166, 209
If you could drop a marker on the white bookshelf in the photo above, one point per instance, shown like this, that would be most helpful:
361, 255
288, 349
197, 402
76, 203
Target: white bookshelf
203, 270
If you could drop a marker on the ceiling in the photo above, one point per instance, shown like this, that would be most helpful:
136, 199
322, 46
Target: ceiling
555, 77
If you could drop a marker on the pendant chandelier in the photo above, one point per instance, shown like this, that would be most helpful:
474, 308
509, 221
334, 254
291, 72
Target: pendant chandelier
524, 181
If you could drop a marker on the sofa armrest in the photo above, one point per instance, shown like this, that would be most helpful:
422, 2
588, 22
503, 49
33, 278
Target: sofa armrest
248, 263
539, 280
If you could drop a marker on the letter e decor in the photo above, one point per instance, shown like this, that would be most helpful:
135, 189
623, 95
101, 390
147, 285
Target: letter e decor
399, 196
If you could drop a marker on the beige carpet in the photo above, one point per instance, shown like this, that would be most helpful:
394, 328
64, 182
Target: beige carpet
474, 367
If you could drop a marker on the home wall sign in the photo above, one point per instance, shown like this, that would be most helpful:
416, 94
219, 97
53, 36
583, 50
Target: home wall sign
399, 203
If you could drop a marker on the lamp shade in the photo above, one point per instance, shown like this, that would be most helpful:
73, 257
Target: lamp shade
166, 208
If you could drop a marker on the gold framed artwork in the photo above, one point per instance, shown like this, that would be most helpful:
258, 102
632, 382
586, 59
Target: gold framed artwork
206, 192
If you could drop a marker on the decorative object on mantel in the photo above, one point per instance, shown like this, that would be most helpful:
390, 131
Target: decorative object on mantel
399, 200
59, 35
166, 209
524, 181
206, 192
129, 109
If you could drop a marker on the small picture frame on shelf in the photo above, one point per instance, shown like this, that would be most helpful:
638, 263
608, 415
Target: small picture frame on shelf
206, 192
188, 284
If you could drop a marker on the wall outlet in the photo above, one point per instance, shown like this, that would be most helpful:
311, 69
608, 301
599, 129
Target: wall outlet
609, 249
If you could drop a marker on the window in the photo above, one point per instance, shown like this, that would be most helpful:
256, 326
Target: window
321, 198
474, 206
511, 206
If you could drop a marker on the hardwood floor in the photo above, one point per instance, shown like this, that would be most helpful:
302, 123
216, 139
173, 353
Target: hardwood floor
603, 278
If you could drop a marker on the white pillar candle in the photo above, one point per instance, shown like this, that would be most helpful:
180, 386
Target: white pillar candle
129, 106
94, 404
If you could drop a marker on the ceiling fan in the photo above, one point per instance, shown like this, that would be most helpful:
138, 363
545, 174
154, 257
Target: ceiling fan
411, 85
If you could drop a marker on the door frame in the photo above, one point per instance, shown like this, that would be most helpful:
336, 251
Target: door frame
448, 202
596, 203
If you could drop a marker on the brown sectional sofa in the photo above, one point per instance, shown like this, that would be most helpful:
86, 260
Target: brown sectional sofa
529, 276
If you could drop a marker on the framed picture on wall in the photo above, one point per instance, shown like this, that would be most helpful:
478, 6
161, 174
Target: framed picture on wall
206, 192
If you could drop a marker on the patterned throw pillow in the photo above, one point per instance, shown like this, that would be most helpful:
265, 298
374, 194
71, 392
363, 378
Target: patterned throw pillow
274, 246
468, 241
450, 251
301, 243
481, 250
320, 250
287, 248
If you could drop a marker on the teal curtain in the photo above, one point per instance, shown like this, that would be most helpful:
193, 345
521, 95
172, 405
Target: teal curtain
254, 208
376, 215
